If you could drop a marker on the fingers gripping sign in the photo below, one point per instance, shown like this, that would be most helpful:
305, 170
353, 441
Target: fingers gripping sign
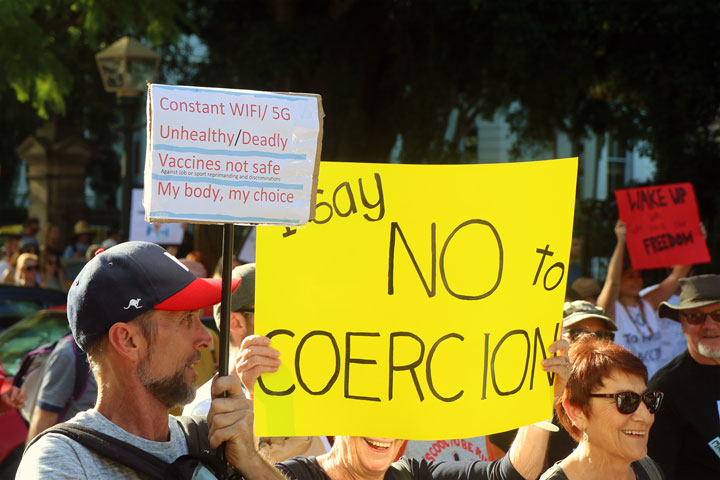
255, 358
559, 364
560, 367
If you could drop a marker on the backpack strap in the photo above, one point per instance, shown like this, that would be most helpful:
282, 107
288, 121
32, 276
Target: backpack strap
197, 434
122, 452
26, 362
651, 468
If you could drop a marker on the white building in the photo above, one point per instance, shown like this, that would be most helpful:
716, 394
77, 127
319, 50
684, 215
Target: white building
604, 164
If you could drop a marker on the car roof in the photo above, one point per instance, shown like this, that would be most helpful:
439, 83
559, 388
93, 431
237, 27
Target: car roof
46, 297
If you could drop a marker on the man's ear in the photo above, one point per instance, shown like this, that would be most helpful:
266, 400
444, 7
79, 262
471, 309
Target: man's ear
237, 322
576, 415
127, 340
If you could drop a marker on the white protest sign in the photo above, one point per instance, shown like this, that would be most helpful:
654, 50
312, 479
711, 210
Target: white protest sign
163, 234
231, 156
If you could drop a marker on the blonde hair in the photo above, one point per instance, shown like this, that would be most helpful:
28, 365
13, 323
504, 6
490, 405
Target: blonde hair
21, 261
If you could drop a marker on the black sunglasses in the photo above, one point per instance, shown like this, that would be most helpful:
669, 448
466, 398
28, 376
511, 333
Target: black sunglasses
628, 402
602, 334
696, 318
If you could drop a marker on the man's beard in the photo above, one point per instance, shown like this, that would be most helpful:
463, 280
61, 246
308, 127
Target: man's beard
708, 352
171, 390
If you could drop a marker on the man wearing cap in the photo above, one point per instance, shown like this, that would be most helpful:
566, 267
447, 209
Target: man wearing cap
581, 317
135, 310
242, 324
685, 438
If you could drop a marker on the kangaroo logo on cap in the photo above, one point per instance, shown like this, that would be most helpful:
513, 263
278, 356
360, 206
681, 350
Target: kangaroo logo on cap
134, 302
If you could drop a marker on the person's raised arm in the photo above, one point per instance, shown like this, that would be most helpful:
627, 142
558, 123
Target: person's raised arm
527, 453
231, 421
611, 289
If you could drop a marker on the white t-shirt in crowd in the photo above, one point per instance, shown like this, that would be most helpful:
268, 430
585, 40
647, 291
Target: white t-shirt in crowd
641, 332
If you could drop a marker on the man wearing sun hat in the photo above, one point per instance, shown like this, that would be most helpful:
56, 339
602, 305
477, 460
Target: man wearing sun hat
82, 234
581, 317
685, 438
135, 310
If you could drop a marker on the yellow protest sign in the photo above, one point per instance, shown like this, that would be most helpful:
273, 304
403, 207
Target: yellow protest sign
418, 303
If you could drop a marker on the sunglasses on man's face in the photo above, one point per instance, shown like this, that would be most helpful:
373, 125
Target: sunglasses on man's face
30, 268
602, 334
697, 317
628, 402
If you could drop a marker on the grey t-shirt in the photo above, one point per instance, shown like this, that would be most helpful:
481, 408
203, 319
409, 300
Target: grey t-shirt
58, 382
55, 456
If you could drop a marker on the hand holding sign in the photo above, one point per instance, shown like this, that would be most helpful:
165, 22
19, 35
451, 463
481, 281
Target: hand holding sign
255, 358
663, 226
559, 364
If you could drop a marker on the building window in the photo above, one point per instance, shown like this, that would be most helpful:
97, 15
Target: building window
618, 164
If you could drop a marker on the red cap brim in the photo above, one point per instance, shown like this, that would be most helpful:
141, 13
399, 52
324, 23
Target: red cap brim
201, 293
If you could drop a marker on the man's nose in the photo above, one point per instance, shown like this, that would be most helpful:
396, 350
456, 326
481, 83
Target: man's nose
709, 322
202, 336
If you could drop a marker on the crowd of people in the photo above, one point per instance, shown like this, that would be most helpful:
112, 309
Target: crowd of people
629, 403
50, 263
53, 261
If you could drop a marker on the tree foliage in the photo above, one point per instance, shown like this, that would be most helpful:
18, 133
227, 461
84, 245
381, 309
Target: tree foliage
400, 69
48, 66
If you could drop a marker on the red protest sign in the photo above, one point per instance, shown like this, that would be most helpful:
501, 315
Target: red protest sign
663, 225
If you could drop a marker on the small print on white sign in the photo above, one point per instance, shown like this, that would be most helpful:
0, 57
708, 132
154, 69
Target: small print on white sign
231, 156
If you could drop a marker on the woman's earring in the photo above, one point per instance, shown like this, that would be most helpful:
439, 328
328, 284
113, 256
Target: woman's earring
584, 437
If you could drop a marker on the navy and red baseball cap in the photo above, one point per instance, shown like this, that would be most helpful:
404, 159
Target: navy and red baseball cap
129, 279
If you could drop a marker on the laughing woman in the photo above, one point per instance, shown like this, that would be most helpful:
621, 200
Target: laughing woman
607, 409
371, 458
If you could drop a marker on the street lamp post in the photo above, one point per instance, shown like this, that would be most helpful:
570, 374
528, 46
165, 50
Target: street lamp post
125, 68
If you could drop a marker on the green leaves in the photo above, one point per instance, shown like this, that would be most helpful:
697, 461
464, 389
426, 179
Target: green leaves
42, 41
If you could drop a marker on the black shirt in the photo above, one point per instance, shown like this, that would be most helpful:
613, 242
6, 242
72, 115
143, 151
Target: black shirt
307, 468
688, 421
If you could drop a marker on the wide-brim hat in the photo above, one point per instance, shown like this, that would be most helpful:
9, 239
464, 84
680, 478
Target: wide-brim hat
82, 227
574, 312
695, 292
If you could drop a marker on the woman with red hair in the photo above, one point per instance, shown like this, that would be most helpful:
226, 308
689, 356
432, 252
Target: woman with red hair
607, 409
